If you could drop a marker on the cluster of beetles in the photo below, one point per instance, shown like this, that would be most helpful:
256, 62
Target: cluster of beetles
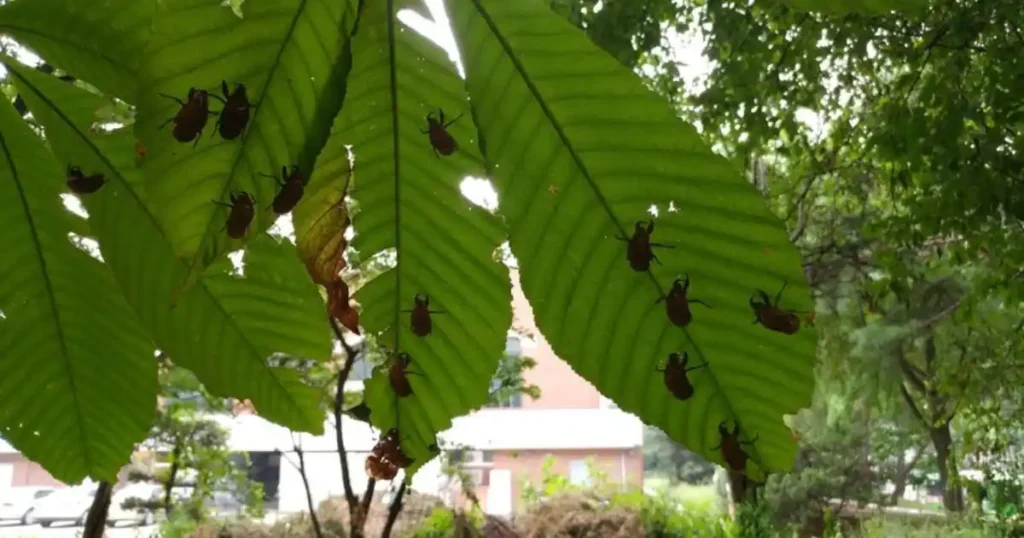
387, 456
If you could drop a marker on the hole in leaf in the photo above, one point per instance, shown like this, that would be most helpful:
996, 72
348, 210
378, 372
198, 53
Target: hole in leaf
237, 262
480, 192
504, 255
87, 245
386, 259
73, 204
283, 228
672, 207
653, 210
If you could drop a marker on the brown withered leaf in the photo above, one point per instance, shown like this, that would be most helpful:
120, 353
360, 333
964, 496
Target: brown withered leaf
340, 307
322, 246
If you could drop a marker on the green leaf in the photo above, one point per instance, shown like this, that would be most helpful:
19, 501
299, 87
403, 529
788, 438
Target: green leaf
79, 384
99, 42
862, 7
292, 57
580, 151
409, 200
226, 328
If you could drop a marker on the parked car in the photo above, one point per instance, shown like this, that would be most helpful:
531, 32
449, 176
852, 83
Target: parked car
138, 515
16, 503
64, 505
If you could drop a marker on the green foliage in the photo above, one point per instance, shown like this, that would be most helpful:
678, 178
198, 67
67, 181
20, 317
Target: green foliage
860, 7
665, 457
579, 150
592, 308
63, 324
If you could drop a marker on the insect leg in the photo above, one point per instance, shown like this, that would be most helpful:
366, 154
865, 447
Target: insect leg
698, 301
454, 120
407, 372
655, 258
175, 99
437, 312
752, 441
436, 156
620, 238
405, 310
660, 299
198, 136
223, 204
661, 370
779, 295
716, 447
699, 366
662, 245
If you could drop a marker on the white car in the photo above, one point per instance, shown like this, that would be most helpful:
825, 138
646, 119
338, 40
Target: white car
64, 505
16, 503
117, 513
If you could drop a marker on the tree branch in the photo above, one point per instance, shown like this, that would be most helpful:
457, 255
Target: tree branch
394, 509
339, 400
913, 406
96, 521
309, 495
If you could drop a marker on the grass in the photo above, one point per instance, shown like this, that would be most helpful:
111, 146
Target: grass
692, 497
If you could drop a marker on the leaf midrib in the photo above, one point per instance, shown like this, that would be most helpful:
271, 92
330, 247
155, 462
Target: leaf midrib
152, 218
549, 114
242, 150
395, 145
51, 295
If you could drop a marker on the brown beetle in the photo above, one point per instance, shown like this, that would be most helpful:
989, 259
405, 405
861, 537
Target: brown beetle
421, 324
398, 375
339, 306
771, 316
440, 139
677, 304
235, 114
379, 468
242, 211
80, 183
675, 375
389, 447
732, 447
639, 251
191, 118
293, 186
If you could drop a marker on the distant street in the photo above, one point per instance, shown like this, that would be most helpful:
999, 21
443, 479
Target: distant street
59, 530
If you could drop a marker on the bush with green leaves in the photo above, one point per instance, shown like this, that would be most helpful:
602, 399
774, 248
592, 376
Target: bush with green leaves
578, 149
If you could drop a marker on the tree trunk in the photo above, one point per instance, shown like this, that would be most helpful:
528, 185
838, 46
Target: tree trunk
902, 473
171, 477
96, 521
952, 493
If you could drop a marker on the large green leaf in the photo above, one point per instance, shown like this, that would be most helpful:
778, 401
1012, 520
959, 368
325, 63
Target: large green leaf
409, 201
580, 151
99, 42
292, 56
226, 328
79, 381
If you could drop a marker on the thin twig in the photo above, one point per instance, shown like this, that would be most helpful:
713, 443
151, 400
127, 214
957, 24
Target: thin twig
339, 400
364, 505
309, 495
393, 510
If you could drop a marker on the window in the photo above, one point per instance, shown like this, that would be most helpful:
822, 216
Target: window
579, 473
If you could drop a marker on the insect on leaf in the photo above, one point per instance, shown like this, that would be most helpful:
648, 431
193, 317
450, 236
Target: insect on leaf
556, 110
227, 327
63, 323
292, 57
409, 201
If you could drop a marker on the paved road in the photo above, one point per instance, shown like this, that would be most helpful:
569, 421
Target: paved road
71, 531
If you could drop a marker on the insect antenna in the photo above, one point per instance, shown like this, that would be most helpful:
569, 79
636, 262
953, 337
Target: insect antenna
172, 98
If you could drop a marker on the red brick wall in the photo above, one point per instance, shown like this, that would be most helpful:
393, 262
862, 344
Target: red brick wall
28, 473
560, 387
